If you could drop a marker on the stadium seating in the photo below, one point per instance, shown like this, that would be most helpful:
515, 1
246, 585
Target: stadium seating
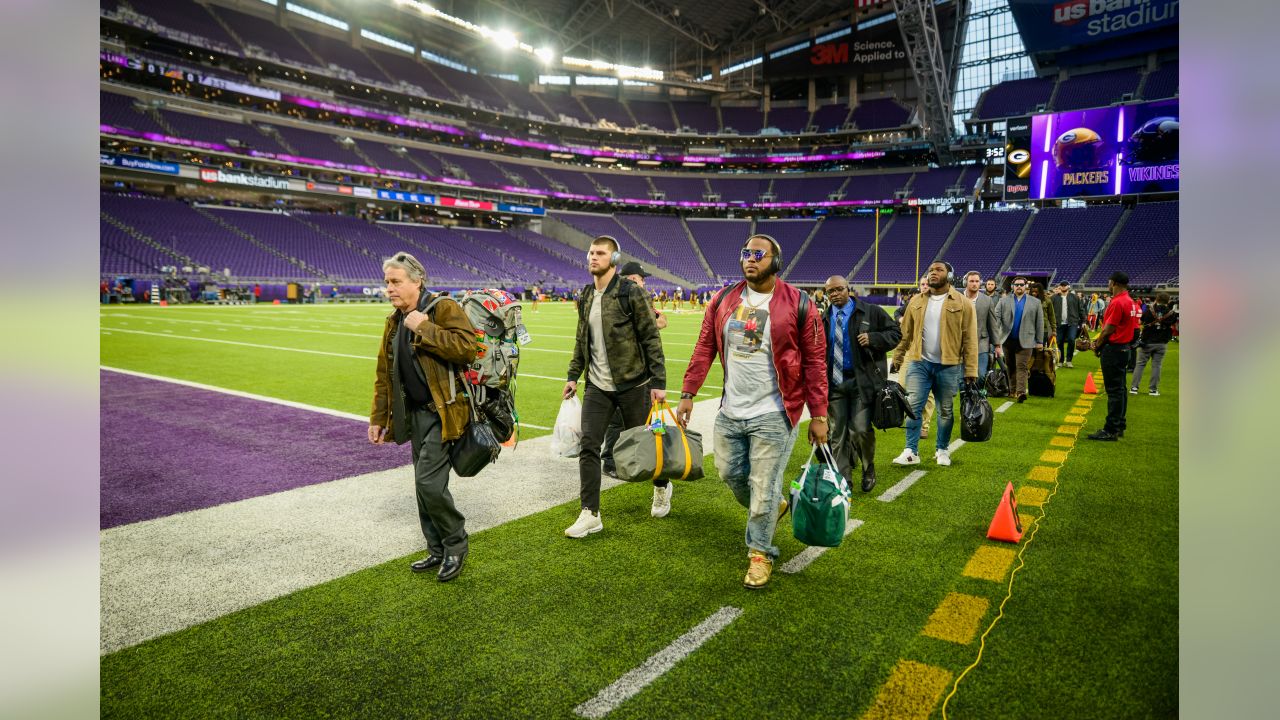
562, 103
609, 109
1146, 247
668, 238
266, 36
720, 241
182, 228
745, 120
808, 189
829, 118
984, 240
1161, 83
185, 16
898, 253
594, 225
403, 68
623, 186
121, 111
200, 127
1014, 97
338, 54
875, 187
879, 114
700, 117
790, 234
654, 113
739, 190
318, 145
295, 239
681, 188
789, 120
1095, 89
838, 244
935, 183
1065, 240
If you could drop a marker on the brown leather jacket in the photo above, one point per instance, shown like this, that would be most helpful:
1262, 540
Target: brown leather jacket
445, 337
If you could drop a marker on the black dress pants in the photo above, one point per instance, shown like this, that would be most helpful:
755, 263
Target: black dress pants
1113, 360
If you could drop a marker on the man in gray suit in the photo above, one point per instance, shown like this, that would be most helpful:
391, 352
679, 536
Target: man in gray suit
1070, 312
1023, 317
984, 307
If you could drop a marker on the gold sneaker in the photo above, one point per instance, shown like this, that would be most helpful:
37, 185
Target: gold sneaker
759, 571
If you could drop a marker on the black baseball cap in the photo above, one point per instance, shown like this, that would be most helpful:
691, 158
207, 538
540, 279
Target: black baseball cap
631, 267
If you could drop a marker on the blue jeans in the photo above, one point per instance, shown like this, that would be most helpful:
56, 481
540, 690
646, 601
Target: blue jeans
751, 457
984, 359
944, 381
1067, 341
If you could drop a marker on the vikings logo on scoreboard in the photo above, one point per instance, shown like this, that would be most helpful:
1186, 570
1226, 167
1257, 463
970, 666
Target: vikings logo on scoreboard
1105, 151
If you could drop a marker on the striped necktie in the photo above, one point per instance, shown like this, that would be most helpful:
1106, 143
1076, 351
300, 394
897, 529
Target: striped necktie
837, 364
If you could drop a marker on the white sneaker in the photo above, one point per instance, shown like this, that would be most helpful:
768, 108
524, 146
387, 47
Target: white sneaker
942, 457
1154, 393
1133, 391
907, 458
586, 524
662, 500
1069, 364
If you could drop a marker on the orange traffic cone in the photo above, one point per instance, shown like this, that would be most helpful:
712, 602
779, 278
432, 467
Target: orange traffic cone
1089, 387
1005, 526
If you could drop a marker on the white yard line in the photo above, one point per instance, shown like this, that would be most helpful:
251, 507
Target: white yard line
1008, 404
809, 554
892, 493
627, 686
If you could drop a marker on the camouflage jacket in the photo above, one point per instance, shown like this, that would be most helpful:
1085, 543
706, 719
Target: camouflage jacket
631, 341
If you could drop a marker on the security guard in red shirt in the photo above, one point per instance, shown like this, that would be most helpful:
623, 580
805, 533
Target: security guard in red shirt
1120, 323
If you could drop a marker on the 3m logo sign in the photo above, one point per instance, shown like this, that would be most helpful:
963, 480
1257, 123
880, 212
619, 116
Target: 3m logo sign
829, 54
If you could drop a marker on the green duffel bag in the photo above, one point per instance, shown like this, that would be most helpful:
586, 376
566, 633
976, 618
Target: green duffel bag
658, 450
820, 502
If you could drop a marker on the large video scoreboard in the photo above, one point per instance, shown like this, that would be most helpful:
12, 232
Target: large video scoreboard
1117, 150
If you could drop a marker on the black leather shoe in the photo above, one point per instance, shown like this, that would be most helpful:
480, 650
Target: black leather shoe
868, 480
1104, 435
1022, 397
425, 563
450, 568
610, 471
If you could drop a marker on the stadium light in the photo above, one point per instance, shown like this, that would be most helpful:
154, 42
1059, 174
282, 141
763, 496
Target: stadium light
545, 54
505, 39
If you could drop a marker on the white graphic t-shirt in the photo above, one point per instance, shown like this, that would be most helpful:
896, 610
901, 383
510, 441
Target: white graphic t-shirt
751, 380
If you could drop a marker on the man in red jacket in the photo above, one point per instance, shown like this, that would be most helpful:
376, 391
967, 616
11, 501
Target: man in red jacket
773, 351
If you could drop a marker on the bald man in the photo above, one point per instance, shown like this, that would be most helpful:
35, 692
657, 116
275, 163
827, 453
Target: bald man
858, 336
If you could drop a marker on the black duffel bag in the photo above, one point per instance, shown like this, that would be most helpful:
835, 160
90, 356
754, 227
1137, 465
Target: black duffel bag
997, 379
976, 417
891, 406
478, 445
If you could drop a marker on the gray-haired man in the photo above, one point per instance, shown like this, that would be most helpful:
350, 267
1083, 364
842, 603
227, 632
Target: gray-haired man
415, 399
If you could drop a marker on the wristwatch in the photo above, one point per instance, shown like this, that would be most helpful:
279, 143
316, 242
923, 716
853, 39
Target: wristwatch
686, 396
823, 418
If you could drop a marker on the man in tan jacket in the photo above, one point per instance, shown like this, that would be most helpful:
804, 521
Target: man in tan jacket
940, 343
416, 397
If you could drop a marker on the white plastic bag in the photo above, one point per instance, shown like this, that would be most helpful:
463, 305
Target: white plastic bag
566, 437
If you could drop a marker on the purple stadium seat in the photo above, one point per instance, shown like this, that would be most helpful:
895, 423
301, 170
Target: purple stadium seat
265, 35
1014, 97
935, 183
984, 241
1146, 247
605, 108
667, 236
829, 118
562, 103
1095, 89
810, 189
746, 120
789, 120
699, 116
185, 16
198, 127
681, 188
657, 114
120, 111
879, 113
875, 187
1162, 83
837, 246
404, 68
338, 52
720, 241
1066, 240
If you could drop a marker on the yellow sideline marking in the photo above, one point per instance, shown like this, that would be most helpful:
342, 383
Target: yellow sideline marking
1068, 430
956, 619
1074, 419
989, 563
1026, 520
1082, 407
1062, 441
910, 693
1053, 456
1035, 496
1086, 397
1042, 473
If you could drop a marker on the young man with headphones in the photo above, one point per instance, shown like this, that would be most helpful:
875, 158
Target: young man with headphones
769, 339
618, 347
940, 343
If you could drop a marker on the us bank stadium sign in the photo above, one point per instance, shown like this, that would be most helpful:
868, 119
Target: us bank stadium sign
212, 175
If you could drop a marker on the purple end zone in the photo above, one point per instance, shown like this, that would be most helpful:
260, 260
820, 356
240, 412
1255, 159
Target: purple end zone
168, 449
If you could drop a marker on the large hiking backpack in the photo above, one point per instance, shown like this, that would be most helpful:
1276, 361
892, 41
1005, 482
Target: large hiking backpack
495, 316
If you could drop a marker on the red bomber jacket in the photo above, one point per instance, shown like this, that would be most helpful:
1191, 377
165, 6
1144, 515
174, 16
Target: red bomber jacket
799, 361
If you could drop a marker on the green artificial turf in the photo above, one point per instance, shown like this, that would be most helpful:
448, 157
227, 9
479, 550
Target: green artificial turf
538, 623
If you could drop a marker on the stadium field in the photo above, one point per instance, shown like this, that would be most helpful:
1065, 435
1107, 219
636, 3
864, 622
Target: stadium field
647, 619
